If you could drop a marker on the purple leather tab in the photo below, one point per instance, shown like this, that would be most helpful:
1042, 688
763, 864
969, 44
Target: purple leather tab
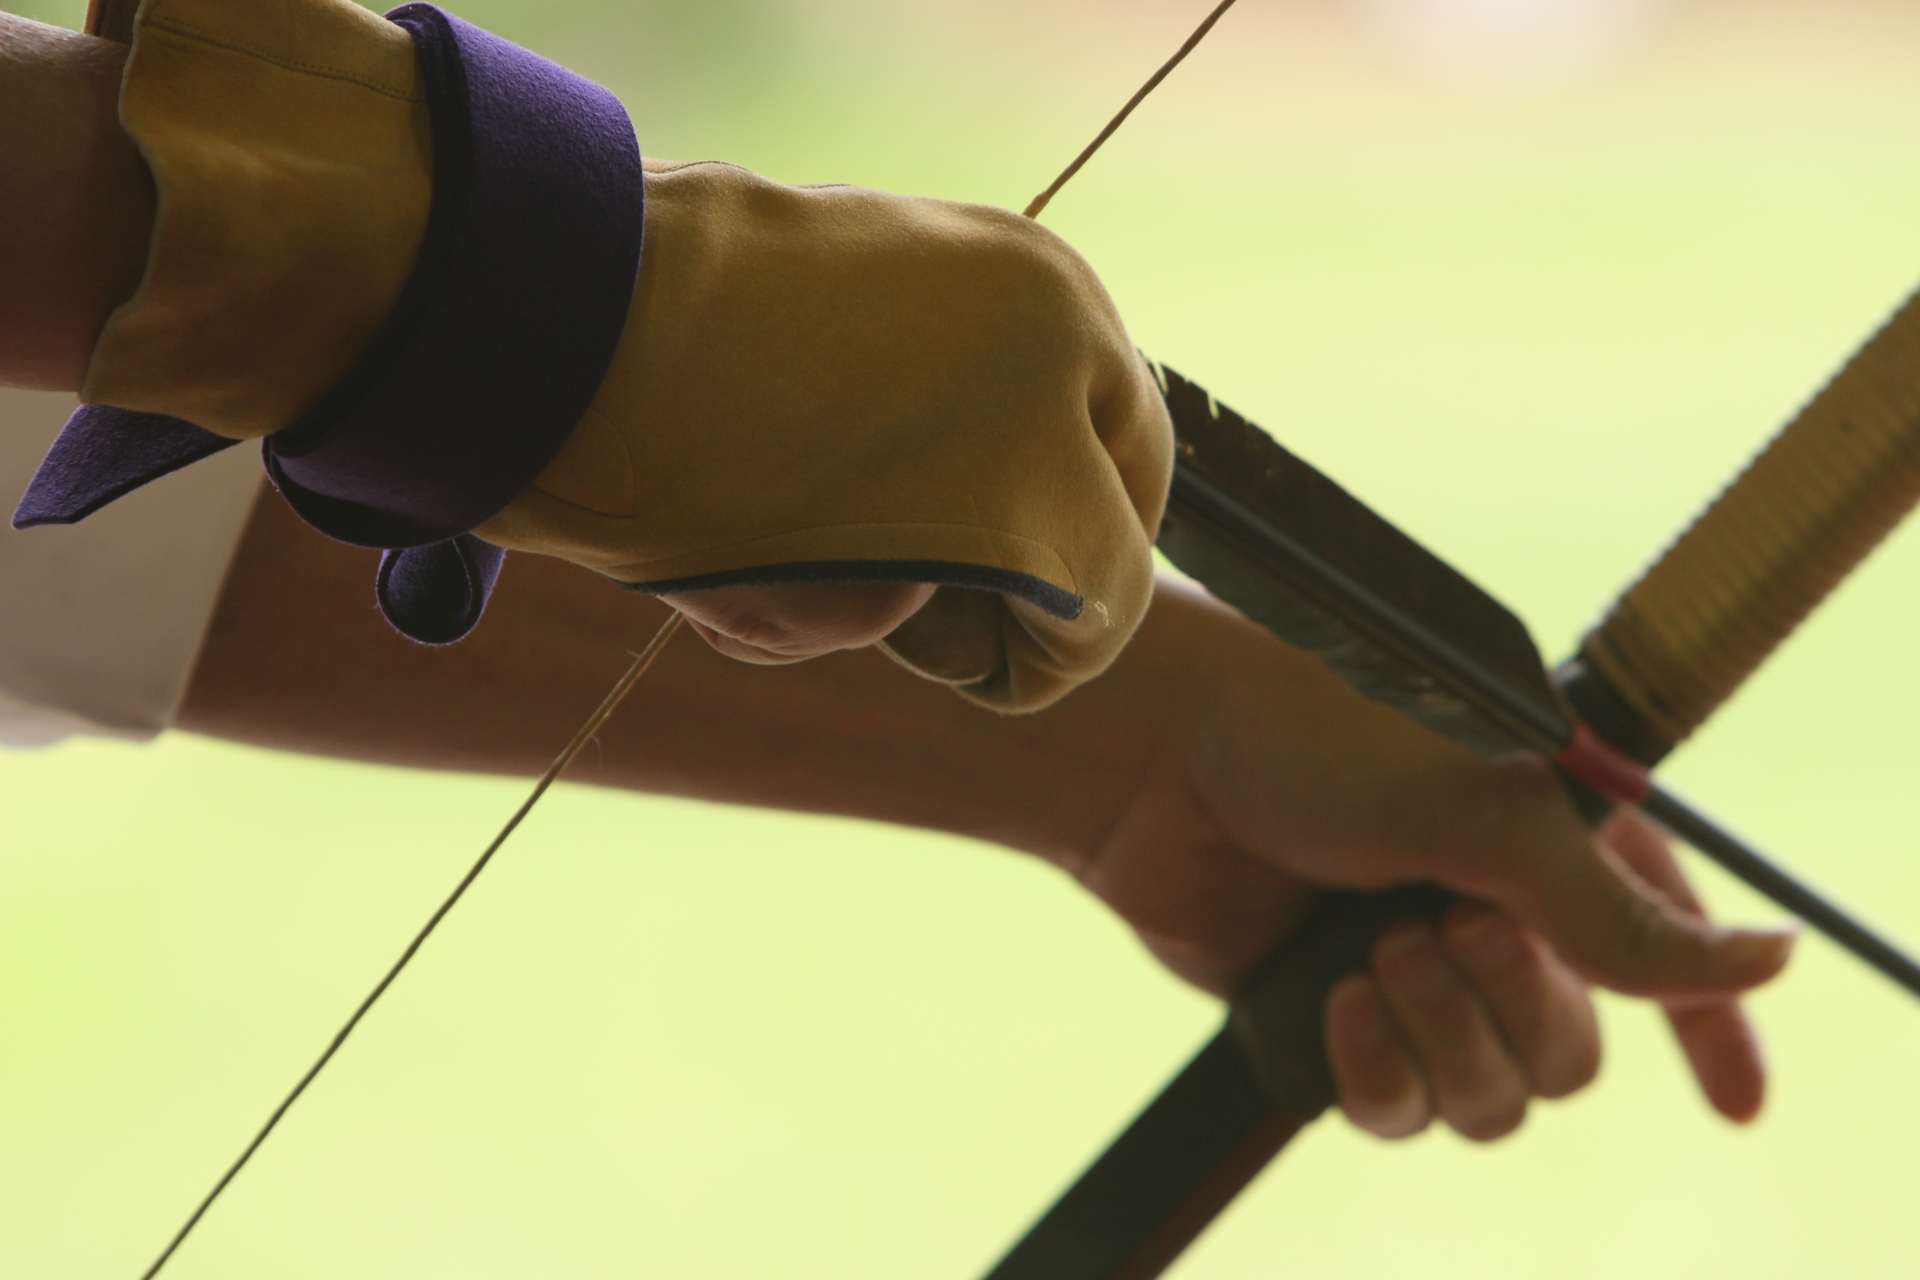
502, 334
434, 594
103, 454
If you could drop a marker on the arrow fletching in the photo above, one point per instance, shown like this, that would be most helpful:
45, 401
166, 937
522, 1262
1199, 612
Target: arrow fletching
1298, 554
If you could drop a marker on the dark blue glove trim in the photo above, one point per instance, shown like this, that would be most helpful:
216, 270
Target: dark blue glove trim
435, 593
511, 316
946, 573
103, 454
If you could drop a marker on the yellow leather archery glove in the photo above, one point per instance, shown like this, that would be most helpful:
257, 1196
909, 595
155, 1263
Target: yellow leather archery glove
403, 252
830, 384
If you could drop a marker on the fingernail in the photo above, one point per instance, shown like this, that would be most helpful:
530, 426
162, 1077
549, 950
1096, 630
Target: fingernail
1755, 947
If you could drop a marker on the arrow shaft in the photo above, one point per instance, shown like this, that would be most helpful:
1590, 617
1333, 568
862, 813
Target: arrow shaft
1758, 872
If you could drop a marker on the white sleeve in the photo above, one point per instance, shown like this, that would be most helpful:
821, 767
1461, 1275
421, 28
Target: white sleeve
100, 622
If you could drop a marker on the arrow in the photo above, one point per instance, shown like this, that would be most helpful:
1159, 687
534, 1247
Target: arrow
1297, 554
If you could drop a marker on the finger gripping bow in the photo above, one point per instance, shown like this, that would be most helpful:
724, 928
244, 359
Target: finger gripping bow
1297, 554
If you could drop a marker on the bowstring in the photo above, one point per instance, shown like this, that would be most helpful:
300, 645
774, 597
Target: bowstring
593, 723
615, 695
1039, 202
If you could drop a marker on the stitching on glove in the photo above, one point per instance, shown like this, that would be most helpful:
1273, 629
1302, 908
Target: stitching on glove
307, 68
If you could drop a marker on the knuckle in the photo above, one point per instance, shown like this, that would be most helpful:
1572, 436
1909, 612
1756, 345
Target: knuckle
1053, 283
1644, 940
1492, 950
1422, 984
1019, 247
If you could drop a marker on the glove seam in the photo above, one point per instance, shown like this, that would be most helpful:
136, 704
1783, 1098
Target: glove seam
173, 27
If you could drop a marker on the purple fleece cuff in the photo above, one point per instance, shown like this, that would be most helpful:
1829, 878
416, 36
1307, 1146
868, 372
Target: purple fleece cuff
502, 334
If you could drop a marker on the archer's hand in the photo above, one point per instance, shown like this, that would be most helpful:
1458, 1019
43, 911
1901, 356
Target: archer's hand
1468, 1021
927, 414
1269, 779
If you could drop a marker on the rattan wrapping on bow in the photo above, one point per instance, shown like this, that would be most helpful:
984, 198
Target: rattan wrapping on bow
1814, 502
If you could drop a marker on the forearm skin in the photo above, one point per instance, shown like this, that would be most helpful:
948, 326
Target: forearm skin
298, 659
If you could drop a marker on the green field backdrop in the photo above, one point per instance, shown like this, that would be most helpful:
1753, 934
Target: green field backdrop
1534, 305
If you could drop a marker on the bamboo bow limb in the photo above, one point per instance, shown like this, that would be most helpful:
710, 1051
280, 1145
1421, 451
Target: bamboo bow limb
1267, 533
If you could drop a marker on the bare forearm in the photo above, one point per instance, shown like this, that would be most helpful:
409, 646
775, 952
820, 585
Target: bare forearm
1202, 788
76, 202
298, 658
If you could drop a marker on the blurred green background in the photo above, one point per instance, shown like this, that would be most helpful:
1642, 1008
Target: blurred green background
1533, 278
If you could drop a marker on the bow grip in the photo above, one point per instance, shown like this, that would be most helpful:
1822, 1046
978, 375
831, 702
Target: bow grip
1240, 1100
1279, 1017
